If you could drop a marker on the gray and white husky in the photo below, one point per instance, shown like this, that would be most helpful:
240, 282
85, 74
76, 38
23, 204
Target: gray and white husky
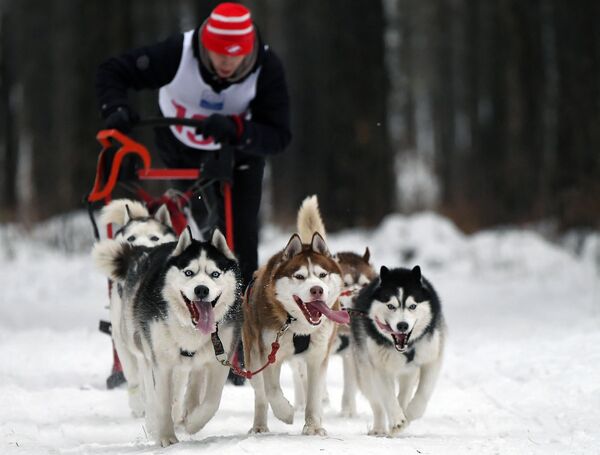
133, 224
398, 344
178, 293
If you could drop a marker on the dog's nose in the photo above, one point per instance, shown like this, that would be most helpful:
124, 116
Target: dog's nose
316, 291
402, 326
201, 291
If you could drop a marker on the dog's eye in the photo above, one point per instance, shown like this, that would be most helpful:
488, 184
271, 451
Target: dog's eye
154, 238
299, 277
131, 238
215, 275
412, 307
322, 275
188, 272
391, 307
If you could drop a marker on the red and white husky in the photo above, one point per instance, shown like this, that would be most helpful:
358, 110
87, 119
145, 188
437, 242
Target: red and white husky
300, 285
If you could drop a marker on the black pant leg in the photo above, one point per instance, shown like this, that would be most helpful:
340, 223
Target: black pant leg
247, 193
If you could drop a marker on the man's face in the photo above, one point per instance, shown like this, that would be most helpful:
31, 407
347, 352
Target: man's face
225, 65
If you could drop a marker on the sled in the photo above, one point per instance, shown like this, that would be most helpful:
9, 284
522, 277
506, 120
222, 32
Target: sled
116, 147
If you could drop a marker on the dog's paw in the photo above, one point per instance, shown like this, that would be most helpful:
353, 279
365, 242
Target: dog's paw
313, 430
415, 409
398, 428
167, 440
378, 432
257, 429
283, 410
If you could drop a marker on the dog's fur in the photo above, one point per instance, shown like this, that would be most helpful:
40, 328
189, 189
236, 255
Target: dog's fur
294, 282
398, 344
137, 226
175, 295
357, 272
133, 224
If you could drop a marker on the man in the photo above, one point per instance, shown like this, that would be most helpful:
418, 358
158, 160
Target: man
221, 72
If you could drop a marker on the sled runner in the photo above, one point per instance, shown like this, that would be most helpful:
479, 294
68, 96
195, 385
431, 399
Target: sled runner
114, 170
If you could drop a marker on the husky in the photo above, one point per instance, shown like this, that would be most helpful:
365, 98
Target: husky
398, 342
138, 227
357, 273
180, 294
294, 299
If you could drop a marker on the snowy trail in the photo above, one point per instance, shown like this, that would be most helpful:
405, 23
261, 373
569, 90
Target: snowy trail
521, 373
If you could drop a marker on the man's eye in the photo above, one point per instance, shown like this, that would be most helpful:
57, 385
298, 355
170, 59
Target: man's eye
412, 307
298, 276
391, 307
188, 273
154, 238
215, 275
131, 238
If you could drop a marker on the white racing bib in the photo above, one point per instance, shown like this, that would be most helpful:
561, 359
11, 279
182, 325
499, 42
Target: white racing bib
188, 96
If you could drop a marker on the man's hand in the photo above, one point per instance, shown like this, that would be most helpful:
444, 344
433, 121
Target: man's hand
222, 128
122, 118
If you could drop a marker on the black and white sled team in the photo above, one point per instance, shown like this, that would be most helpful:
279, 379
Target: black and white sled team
172, 297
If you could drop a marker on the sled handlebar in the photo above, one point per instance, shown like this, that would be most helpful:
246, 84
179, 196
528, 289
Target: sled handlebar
169, 121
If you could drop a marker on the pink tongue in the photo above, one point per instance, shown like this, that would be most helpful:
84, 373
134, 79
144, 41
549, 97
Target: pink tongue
341, 316
206, 318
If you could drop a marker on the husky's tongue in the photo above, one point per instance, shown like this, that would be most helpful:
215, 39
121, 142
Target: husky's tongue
341, 316
206, 316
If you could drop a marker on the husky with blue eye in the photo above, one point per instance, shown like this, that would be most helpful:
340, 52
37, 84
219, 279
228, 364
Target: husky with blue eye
132, 223
398, 336
180, 294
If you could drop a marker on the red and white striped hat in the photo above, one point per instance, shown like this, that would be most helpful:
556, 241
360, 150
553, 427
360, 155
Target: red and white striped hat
229, 30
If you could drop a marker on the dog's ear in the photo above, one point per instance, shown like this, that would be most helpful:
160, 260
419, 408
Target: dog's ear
384, 272
185, 240
162, 216
293, 247
367, 255
416, 273
127, 217
220, 243
318, 244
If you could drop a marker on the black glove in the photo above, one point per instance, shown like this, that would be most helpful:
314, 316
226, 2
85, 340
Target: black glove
122, 118
222, 128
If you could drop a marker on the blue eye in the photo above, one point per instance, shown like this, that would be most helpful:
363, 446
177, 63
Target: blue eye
412, 307
188, 273
215, 275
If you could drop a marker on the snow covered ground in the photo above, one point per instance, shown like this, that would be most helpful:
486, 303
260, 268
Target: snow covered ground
521, 374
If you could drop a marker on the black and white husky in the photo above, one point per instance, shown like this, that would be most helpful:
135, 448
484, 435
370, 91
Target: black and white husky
179, 294
132, 223
398, 341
